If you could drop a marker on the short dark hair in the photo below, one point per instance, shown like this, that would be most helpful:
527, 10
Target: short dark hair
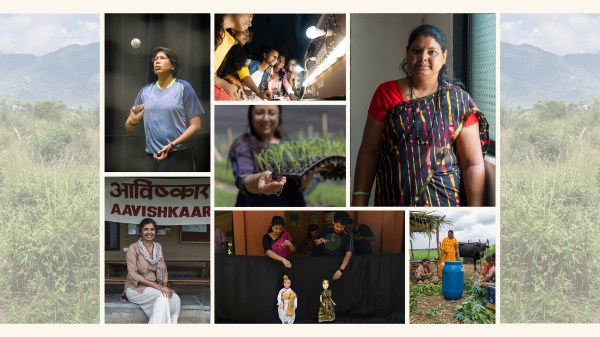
276, 221
425, 260
343, 217
146, 221
172, 58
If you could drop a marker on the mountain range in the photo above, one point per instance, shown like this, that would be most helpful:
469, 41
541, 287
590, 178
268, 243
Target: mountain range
70, 75
529, 74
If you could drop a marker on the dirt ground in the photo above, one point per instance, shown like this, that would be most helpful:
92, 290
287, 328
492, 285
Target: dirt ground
441, 310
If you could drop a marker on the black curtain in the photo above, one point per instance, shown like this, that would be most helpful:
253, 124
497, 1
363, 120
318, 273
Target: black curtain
371, 289
127, 70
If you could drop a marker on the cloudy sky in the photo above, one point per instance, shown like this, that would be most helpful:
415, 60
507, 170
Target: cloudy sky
468, 225
42, 34
556, 33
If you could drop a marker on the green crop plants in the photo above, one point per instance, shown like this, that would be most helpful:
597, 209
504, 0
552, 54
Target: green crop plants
473, 310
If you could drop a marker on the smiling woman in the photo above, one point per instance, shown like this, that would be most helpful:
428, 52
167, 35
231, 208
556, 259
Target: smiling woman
262, 188
424, 139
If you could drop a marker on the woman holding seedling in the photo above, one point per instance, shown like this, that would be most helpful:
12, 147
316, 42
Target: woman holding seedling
264, 188
424, 139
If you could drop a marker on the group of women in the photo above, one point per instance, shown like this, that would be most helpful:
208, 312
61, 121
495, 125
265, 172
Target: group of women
240, 76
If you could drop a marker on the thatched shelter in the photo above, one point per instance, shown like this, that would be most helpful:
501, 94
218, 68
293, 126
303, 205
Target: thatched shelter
428, 223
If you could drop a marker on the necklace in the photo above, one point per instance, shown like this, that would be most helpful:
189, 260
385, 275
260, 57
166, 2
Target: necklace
419, 111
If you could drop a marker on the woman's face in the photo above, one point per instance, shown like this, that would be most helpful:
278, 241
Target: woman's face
242, 22
277, 229
314, 233
325, 285
162, 64
280, 63
148, 232
425, 57
271, 57
287, 284
291, 65
265, 119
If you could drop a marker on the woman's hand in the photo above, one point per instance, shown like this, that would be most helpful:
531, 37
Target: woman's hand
287, 243
232, 89
337, 275
163, 153
286, 262
136, 113
267, 186
320, 241
167, 292
265, 95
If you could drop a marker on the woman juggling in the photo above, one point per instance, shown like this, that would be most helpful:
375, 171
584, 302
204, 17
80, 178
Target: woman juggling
424, 139
147, 277
171, 111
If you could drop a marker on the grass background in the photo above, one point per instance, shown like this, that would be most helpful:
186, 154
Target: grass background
49, 196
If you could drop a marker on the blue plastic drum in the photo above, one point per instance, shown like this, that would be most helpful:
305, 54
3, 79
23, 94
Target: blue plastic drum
453, 280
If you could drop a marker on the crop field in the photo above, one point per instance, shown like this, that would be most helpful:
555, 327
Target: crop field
49, 237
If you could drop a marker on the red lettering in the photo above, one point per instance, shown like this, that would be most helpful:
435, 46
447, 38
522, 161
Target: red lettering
162, 212
185, 212
173, 212
205, 211
136, 209
115, 209
151, 211
196, 212
127, 210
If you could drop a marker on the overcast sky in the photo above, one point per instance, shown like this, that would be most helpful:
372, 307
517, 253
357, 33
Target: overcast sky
556, 33
42, 34
468, 225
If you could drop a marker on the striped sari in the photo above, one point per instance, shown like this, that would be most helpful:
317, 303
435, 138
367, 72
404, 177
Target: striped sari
415, 135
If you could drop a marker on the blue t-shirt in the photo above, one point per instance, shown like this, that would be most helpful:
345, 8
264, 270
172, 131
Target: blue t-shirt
167, 112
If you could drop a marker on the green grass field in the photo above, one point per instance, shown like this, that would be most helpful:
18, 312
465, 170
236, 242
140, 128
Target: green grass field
49, 247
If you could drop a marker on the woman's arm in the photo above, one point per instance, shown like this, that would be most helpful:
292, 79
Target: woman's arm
193, 128
366, 162
135, 116
132, 271
233, 90
249, 82
472, 168
279, 258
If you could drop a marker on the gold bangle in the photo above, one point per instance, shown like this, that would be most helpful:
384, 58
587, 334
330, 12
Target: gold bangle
361, 194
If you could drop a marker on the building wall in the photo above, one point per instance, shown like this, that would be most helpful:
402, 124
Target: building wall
250, 226
172, 248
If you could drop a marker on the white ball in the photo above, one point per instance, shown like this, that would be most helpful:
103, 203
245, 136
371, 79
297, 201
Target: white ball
136, 43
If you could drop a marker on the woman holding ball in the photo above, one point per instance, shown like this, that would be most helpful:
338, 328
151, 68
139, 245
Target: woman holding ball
170, 111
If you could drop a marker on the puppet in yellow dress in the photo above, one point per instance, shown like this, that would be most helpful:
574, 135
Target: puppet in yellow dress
287, 302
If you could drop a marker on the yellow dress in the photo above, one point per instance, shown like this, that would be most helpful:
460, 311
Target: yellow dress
450, 246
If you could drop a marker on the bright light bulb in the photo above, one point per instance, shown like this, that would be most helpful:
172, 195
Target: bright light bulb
313, 32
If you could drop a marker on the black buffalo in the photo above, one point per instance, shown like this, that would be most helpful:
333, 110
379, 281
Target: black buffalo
473, 250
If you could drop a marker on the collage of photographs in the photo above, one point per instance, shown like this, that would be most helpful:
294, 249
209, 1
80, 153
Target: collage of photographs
321, 169
416, 139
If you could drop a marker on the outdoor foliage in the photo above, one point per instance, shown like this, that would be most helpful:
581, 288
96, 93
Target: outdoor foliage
418, 290
549, 229
473, 310
49, 238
